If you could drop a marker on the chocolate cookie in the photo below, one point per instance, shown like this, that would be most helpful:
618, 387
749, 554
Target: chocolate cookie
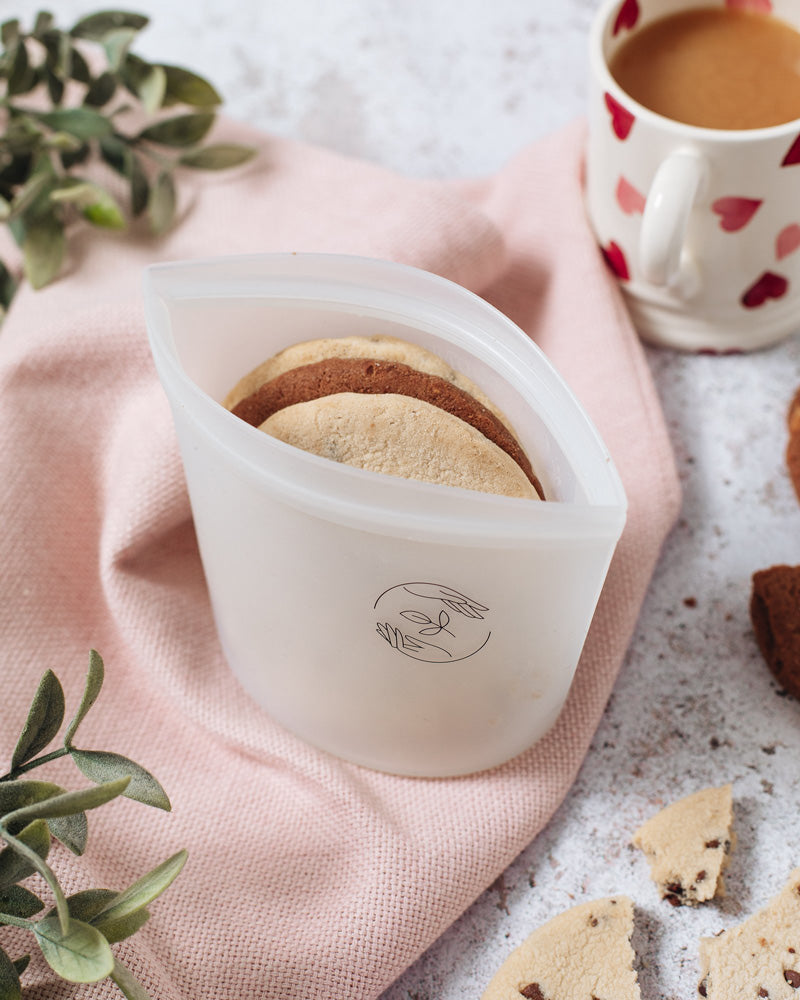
775, 614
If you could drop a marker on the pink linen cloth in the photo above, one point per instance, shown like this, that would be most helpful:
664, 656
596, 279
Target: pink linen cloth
307, 877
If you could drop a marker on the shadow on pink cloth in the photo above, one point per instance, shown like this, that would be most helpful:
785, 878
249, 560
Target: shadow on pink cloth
307, 876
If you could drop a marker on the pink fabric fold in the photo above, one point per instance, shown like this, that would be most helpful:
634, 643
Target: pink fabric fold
307, 877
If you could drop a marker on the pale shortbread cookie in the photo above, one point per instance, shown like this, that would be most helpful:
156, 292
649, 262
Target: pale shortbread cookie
760, 957
582, 954
377, 348
400, 436
687, 845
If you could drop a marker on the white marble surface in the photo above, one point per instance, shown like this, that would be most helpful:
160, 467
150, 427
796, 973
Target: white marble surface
448, 88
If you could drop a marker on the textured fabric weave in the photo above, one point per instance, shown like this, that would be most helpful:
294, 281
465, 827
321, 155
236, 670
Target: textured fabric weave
307, 877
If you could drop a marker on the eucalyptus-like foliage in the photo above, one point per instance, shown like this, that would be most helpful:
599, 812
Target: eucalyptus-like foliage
76, 932
65, 95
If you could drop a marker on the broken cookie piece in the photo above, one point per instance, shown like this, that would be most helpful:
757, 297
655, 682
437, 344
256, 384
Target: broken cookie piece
583, 953
793, 445
687, 845
775, 614
760, 957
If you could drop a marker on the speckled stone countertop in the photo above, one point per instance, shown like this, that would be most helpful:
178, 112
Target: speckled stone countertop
453, 88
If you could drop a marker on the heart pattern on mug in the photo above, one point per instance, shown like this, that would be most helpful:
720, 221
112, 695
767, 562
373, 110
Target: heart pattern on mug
793, 156
787, 241
621, 119
629, 199
768, 286
627, 16
760, 6
615, 259
735, 212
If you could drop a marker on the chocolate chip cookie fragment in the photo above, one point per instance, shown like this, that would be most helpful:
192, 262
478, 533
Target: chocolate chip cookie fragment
687, 845
775, 614
758, 958
583, 953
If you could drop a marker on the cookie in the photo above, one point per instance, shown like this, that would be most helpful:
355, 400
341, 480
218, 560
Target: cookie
793, 445
775, 614
377, 348
338, 369
583, 953
400, 436
687, 845
758, 958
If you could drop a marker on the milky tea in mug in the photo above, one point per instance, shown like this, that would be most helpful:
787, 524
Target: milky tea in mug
715, 67
693, 167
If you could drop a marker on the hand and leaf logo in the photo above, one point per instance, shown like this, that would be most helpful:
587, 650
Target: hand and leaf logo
432, 622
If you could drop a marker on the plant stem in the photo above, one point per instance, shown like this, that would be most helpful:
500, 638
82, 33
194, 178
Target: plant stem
7, 918
36, 762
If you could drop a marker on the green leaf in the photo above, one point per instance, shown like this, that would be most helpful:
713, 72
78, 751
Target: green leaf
130, 987
144, 890
162, 203
139, 185
79, 69
104, 766
16, 794
116, 45
83, 123
21, 964
13, 866
185, 87
44, 22
10, 986
80, 954
180, 131
218, 156
8, 286
55, 87
43, 250
20, 902
9, 33
96, 204
89, 903
44, 720
145, 80
72, 831
94, 682
21, 76
97, 26
101, 90
68, 802
117, 930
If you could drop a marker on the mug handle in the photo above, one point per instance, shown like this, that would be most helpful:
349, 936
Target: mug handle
678, 183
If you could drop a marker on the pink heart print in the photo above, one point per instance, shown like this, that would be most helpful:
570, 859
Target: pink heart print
793, 155
627, 16
735, 212
621, 119
615, 259
768, 286
629, 199
788, 240
760, 6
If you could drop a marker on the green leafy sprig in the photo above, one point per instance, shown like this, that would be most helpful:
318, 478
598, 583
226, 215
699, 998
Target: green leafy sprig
77, 116
76, 933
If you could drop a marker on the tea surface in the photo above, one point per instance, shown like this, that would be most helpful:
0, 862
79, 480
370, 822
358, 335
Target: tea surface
714, 67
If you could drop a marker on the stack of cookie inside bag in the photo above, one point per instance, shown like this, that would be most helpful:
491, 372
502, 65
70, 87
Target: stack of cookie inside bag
386, 405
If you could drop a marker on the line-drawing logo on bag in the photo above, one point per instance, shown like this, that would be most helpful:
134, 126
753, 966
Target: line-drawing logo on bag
432, 622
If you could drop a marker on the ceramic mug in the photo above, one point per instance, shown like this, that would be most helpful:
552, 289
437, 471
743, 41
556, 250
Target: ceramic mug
701, 226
